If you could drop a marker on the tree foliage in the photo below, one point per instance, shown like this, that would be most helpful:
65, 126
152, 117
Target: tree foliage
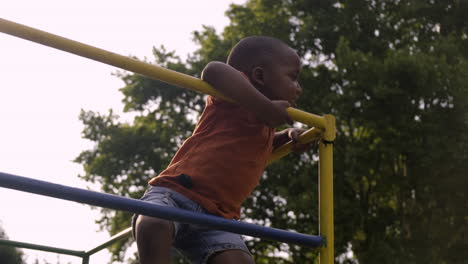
10, 255
395, 75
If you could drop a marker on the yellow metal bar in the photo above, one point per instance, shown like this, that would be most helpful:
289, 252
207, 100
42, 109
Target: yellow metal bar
306, 137
107, 57
130, 64
326, 191
307, 118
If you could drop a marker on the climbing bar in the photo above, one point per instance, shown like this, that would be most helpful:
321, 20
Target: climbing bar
326, 218
145, 208
121, 235
84, 255
130, 64
12, 243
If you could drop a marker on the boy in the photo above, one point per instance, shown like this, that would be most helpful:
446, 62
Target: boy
218, 167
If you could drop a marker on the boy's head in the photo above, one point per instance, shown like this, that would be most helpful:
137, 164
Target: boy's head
271, 65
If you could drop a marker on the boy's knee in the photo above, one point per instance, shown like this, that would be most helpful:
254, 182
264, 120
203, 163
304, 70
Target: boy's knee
153, 226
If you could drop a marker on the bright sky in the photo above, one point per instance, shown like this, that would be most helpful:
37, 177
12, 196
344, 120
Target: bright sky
42, 91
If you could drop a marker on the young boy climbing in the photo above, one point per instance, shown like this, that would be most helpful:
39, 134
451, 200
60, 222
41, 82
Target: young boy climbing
218, 167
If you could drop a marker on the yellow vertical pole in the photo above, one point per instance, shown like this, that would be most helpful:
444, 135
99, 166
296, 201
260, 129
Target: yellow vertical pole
326, 191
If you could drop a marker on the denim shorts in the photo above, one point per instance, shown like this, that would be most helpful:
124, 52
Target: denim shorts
197, 243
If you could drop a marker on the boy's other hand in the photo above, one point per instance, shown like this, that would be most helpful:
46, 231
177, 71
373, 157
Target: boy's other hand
277, 115
294, 134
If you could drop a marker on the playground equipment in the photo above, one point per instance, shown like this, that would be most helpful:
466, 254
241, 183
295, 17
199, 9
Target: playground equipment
322, 127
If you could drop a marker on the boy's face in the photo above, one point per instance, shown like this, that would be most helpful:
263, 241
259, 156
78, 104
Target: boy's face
281, 78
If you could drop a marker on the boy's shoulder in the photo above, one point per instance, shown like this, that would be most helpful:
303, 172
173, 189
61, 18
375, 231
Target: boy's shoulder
211, 100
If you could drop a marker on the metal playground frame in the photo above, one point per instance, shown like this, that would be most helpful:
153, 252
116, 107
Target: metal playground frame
323, 127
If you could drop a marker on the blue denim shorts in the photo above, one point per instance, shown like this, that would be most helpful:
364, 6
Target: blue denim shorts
195, 242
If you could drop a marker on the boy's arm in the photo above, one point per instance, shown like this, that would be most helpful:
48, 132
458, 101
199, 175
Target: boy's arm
234, 85
280, 138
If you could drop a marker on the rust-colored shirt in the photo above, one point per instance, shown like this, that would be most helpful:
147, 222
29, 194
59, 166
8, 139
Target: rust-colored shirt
221, 163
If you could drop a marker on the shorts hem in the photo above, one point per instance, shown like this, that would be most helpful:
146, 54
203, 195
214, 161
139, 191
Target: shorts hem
221, 248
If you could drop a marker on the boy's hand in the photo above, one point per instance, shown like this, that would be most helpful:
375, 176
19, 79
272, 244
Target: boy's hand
276, 115
293, 134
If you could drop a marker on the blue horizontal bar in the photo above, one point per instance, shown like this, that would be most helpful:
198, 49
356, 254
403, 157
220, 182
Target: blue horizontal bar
145, 208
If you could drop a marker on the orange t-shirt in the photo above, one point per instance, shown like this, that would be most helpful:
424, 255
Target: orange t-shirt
221, 163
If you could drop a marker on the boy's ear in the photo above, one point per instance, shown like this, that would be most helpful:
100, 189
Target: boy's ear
257, 76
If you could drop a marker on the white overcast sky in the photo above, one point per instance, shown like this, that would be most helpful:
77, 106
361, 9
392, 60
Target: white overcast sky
42, 91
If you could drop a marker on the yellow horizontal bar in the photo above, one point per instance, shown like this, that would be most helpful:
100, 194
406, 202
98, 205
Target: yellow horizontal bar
106, 57
133, 65
306, 137
307, 118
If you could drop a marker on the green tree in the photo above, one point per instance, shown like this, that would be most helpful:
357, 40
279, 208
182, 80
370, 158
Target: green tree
10, 255
395, 75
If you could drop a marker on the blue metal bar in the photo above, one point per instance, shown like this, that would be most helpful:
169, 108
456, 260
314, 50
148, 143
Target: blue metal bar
145, 208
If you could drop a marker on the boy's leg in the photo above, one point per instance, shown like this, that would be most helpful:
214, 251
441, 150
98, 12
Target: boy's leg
233, 256
154, 238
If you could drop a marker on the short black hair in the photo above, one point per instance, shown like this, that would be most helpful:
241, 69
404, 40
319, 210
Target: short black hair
254, 51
